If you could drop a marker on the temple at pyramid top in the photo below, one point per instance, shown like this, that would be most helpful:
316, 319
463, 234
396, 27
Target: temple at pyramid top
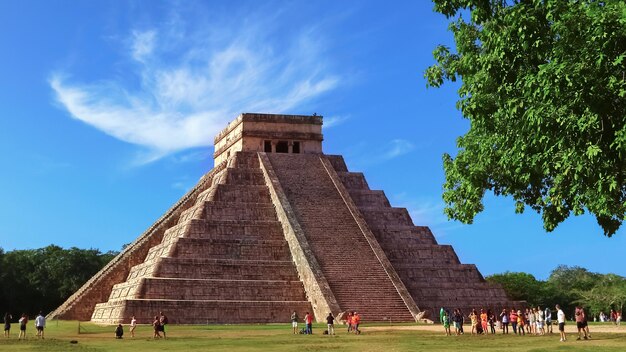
270, 133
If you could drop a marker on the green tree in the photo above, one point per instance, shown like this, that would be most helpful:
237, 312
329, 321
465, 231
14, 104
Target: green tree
544, 89
519, 286
41, 279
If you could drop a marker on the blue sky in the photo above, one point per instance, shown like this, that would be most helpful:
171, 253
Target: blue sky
108, 111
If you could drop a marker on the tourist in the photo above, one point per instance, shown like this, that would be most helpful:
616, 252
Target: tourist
330, 321
560, 318
580, 323
540, 321
162, 322
156, 325
618, 320
457, 319
446, 323
442, 312
133, 326
119, 331
308, 320
613, 316
7, 324
532, 320
483, 321
23, 321
513, 320
548, 316
349, 321
40, 324
474, 321
356, 321
294, 322
462, 320
491, 319
504, 318
520, 322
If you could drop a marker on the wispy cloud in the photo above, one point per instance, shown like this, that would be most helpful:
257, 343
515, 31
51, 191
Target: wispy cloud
192, 82
396, 148
333, 121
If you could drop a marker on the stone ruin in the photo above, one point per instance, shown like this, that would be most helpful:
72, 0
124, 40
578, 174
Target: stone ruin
275, 227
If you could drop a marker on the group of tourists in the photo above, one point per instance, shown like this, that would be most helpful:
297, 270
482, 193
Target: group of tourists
40, 324
353, 320
614, 317
530, 321
158, 326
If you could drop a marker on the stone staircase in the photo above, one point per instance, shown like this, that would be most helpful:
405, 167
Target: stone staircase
225, 261
356, 277
431, 272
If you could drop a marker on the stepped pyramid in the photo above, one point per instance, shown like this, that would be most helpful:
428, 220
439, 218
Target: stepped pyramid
278, 226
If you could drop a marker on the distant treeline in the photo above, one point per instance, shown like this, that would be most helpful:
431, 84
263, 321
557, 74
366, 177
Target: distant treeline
41, 279
568, 287
34, 280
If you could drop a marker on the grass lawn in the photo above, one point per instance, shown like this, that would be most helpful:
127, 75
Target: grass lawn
279, 338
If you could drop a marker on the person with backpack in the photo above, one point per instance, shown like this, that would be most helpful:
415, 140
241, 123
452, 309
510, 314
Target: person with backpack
330, 321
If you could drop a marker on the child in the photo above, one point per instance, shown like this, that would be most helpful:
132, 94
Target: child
446, 323
119, 331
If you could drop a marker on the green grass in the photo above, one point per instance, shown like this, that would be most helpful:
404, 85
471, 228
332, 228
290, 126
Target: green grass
279, 338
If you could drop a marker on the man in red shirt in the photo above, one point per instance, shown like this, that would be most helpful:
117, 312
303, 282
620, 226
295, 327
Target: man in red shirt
308, 319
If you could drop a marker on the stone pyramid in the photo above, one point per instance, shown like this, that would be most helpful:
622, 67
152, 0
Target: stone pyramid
278, 226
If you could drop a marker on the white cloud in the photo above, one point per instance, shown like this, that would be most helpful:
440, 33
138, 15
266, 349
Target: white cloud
333, 121
396, 148
191, 84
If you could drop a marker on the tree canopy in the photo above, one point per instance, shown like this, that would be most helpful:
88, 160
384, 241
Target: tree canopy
543, 86
41, 279
568, 287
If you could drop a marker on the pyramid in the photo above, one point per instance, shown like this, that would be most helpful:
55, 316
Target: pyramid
275, 227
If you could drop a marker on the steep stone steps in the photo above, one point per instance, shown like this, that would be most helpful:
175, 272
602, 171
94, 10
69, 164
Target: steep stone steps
331, 230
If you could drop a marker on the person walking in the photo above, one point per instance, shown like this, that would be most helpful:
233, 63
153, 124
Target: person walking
40, 324
560, 318
330, 321
349, 321
162, 322
356, 321
618, 319
294, 322
446, 323
7, 324
133, 326
156, 322
23, 321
